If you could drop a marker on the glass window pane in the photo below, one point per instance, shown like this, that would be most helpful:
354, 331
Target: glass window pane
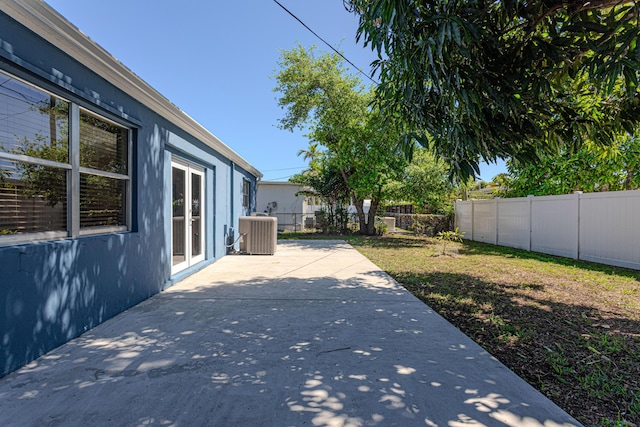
32, 122
32, 198
245, 193
196, 219
102, 201
179, 221
103, 145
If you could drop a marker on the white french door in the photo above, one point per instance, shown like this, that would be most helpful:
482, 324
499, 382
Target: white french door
188, 215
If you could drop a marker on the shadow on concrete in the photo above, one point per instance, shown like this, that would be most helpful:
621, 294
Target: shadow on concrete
53, 291
506, 319
284, 351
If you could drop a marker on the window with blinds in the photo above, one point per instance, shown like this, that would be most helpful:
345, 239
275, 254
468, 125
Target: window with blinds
44, 191
104, 156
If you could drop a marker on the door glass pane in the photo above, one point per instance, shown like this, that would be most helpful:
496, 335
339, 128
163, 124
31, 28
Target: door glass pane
178, 217
196, 220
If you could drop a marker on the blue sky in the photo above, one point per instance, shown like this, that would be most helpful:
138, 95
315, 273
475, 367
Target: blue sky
214, 60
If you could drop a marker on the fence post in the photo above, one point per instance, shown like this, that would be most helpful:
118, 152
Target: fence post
455, 214
497, 210
578, 194
530, 197
473, 220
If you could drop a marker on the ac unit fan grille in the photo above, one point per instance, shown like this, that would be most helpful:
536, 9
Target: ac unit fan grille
259, 235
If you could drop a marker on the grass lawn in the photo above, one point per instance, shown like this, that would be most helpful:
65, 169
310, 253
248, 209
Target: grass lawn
569, 328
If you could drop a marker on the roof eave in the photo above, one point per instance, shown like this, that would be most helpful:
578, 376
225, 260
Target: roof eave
50, 25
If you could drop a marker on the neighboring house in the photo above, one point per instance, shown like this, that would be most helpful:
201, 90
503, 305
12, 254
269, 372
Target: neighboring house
108, 192
294, 205
287, 202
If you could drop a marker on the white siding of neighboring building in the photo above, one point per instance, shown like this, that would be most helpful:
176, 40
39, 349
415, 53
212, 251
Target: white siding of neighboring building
281, 199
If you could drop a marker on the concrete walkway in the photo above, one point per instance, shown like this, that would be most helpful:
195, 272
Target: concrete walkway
314, 336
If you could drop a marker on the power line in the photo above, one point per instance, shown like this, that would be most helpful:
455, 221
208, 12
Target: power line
327, 43
279, 178
285, 169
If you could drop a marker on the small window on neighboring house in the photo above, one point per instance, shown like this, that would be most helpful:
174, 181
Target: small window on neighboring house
44, 191
246, 187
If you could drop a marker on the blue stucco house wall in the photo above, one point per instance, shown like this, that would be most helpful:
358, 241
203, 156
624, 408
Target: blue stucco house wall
56, 285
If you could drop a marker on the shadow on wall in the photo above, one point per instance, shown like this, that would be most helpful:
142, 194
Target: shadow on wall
253, 353
52, 292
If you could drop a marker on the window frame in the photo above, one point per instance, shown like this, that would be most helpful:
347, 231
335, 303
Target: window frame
75, 146
246, 196
73, 171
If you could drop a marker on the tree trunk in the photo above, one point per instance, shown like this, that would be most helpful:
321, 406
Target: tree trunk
359, 204
371, 223
627, 180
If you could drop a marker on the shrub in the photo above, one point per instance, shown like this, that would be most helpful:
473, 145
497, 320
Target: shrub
449, 236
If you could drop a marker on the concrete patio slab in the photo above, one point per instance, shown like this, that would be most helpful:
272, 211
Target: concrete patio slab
315, 335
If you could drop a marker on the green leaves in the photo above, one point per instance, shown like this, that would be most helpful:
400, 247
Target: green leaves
449, 236
591, 168
358, 144
424, 183
498, 79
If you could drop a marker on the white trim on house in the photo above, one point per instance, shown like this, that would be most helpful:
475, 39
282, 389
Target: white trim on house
48, 24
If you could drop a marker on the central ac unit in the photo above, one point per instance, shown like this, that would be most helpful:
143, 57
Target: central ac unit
259, 234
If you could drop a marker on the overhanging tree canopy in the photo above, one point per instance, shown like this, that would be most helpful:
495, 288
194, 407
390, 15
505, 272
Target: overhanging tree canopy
481, 80
591, 168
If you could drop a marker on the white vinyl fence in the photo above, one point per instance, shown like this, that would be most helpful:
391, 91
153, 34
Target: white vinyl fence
599, 227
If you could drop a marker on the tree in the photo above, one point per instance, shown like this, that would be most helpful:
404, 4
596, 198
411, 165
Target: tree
312, 153
325, 181
481, 80
424, 183
502, 181
320, 96
592, 168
